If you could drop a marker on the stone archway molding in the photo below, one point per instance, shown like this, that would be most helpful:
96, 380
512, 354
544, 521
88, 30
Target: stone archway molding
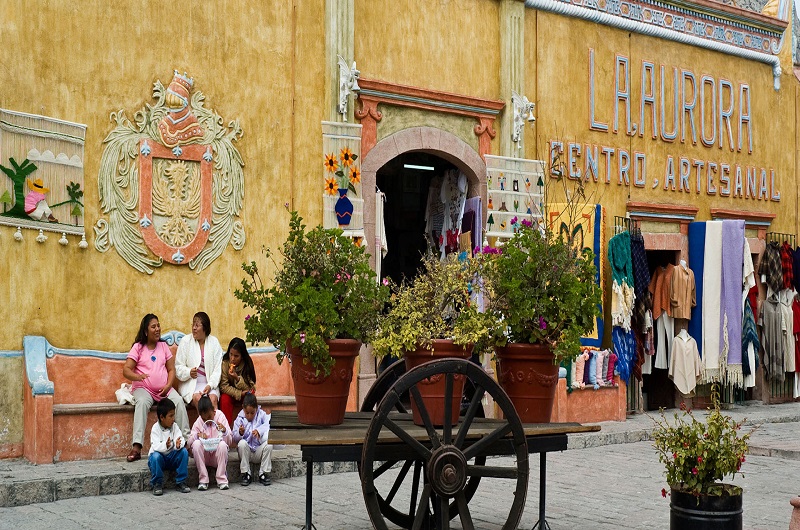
416, 139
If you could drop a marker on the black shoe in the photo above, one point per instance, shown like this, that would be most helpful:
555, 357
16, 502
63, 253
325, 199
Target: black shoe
182, 487
158, 490
264, 479
246, 479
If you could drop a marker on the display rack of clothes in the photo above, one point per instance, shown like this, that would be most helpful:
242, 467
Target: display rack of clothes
622, 298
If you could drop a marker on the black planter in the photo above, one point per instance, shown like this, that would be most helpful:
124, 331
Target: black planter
713, 512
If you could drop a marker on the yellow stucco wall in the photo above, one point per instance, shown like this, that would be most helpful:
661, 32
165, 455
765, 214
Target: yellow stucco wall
80, 63
10, 402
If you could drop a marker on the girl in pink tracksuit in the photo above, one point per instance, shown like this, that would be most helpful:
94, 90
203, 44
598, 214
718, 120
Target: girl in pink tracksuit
210, 424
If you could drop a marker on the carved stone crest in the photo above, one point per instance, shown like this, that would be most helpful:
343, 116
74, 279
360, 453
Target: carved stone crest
171, 182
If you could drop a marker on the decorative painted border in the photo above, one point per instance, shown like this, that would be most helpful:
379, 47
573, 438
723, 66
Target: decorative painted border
760, 44
374, 92
10, 353
37, 350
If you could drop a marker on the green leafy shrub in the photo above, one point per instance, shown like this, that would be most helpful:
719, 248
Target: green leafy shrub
323, 289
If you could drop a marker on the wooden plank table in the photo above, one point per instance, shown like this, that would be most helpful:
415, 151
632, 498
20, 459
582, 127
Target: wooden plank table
345, 443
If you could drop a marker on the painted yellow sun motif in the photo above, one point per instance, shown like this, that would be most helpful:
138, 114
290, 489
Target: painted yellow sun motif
355, 175
330, 163
346, 156
331, 186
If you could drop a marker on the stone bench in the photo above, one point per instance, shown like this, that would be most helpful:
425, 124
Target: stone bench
69, 412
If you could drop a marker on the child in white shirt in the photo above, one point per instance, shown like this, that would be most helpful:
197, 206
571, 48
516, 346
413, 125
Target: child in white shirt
167, 450
250, 433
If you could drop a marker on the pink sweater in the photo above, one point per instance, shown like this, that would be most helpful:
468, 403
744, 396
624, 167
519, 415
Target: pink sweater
210, 429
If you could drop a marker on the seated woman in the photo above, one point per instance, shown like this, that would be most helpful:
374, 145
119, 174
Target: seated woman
151, 367
238, 378
198, 363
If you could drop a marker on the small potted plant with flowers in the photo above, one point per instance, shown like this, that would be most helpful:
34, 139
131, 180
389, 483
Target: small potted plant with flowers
697, 455
323, 302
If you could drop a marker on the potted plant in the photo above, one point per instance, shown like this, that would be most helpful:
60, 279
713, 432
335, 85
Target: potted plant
543, 286
697, 456
432, 317
323, 303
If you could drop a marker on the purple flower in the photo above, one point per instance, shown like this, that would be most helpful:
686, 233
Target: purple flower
527, 222
514, 220
385, 281
542, 323
302, 337
247, 318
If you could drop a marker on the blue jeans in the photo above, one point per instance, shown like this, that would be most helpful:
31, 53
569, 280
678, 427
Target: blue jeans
177, 461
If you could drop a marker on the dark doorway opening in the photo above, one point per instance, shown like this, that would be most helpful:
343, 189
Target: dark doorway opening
406, 180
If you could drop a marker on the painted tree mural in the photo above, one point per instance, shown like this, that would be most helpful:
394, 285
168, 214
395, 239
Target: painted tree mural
18, 175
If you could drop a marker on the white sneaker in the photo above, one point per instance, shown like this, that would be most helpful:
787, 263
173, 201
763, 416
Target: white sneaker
202, 486
224, 486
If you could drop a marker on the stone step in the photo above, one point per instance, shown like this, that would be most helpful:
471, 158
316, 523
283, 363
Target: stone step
23, 483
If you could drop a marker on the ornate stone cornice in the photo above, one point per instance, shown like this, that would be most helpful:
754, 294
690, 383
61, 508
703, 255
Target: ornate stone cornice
374, 92
702, 23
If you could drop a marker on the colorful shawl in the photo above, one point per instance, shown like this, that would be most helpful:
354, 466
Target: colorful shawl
697, 247
712, 285
731, 301
749, 336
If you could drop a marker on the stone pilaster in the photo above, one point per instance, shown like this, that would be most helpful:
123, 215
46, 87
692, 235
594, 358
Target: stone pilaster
512, 69
339, 37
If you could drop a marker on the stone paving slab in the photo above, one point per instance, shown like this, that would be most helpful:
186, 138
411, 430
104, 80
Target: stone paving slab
22, 483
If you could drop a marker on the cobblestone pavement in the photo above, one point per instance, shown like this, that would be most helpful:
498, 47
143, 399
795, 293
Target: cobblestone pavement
598, 488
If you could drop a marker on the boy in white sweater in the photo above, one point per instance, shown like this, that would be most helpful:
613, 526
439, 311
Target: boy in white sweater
167, 450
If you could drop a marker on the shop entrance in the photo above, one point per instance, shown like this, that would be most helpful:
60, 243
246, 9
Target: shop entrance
406, 181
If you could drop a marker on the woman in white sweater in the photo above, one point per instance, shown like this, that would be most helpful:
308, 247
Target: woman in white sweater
198, 363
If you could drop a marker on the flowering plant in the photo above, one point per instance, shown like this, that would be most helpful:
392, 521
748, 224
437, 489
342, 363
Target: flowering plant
544, 288
323, 289
437, 304
698, 454
345, 173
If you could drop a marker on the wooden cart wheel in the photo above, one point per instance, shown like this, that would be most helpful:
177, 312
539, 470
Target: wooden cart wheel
382, 385
404, 517
446, 452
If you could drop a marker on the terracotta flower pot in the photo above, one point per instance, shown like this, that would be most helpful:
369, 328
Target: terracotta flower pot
322, 400
432, 389
706, 512
530, 378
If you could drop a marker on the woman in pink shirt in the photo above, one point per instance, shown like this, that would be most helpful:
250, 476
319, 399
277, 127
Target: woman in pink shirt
151, 367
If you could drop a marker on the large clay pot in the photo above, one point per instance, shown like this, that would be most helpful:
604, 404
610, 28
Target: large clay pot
706, 512
322, 400
432, 389
530, 378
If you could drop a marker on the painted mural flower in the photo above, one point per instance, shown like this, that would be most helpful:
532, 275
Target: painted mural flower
355, 175
331, 164
331, 185
347, 157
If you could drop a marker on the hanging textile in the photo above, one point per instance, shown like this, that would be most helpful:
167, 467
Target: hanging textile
622, 296
380, 233
625, 349
796, 268
641, 278
453, 195
712, 284
682, 292
748, 272
787, 265
786, 297
731, 301
770, 267
684, 367
796, 335
750, 345
474, 206
659, 289
697, 246
770, 320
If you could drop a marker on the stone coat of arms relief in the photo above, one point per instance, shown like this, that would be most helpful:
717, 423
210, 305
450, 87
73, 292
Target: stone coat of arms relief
171, 182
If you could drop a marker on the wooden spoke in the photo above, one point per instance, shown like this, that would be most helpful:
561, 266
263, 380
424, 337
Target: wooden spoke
422, 508
444, 513
486, 441
398, 481
492, 472
447, 428
463, 511
477, 399
426, 419
380, 470
407, 439
415, 486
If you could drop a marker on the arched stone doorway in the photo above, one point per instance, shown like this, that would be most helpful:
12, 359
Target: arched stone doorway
429, 140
